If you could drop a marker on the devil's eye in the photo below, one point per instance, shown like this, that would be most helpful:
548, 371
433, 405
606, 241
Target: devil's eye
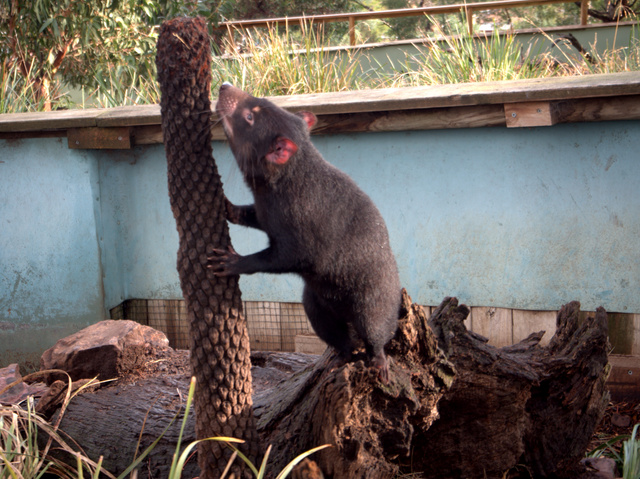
249, 117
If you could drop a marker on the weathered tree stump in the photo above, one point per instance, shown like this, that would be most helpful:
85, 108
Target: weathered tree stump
454, 407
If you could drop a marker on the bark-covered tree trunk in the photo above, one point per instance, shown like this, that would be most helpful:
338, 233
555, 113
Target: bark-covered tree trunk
218, 334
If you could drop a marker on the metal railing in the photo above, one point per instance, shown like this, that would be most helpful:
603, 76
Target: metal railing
467, 9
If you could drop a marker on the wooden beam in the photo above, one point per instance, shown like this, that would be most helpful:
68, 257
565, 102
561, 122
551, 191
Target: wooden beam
396, 13
624, 379
99, 138
529, 114
599, 109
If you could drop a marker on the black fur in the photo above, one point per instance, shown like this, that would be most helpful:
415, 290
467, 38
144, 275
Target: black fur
319, 223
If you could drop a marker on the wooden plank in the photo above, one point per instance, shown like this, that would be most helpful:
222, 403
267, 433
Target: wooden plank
587, 110
425, 119
610, 97
99, 138
49, 120
624, 379
148, 135
529, 114
527, 322
21, 135
624, 333
465, 94
496, 324
309, 344
635, 348
129, 116
599, 109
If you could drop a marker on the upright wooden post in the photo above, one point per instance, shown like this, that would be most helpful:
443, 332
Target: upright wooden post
352, 30
469, 13
584, 12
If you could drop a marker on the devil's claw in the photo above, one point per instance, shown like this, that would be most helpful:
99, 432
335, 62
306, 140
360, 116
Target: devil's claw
223, 262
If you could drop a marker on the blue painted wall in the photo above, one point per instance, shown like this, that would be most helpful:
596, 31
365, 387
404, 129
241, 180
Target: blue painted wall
519, 218
50, 273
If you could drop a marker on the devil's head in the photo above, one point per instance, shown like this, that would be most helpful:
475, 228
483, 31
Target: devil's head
264, 138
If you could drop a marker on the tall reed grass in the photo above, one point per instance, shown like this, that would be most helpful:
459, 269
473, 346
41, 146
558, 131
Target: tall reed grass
463, 58
271, 62
20, 92
26, 441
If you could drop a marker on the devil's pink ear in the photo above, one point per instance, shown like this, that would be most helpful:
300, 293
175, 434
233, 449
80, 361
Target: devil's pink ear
281, 151
309, 117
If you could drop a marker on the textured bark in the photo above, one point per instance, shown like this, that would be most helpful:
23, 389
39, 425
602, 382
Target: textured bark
372, 426
120, 422
455, 406
524, 404
218, 335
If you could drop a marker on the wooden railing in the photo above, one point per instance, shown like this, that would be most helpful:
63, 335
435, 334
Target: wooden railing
467, 9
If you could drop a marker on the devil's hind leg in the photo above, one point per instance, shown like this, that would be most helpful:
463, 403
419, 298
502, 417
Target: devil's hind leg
329, 326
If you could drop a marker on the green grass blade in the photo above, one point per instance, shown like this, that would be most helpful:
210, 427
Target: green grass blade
178, 463
287, 470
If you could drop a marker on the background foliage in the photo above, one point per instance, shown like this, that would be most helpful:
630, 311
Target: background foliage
104, 51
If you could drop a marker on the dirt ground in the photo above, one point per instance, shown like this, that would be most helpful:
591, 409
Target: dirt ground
619, 419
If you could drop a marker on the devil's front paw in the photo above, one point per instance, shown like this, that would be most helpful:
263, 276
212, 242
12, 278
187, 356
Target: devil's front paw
224, 262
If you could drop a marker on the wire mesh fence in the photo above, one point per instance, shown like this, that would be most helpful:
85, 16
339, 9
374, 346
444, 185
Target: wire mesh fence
272, 326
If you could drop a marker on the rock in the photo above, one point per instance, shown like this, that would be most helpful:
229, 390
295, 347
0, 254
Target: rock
15, 393
604, 467
106, 350
619, 420
12, 389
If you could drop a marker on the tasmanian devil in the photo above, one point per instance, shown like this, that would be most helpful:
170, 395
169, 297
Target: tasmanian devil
320, 226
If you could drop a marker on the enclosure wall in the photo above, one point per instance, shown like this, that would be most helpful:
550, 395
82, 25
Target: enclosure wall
524, 218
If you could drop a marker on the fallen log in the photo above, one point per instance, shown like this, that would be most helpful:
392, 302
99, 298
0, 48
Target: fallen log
455, 406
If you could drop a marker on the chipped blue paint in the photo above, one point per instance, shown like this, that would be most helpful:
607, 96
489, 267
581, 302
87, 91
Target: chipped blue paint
521, 218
